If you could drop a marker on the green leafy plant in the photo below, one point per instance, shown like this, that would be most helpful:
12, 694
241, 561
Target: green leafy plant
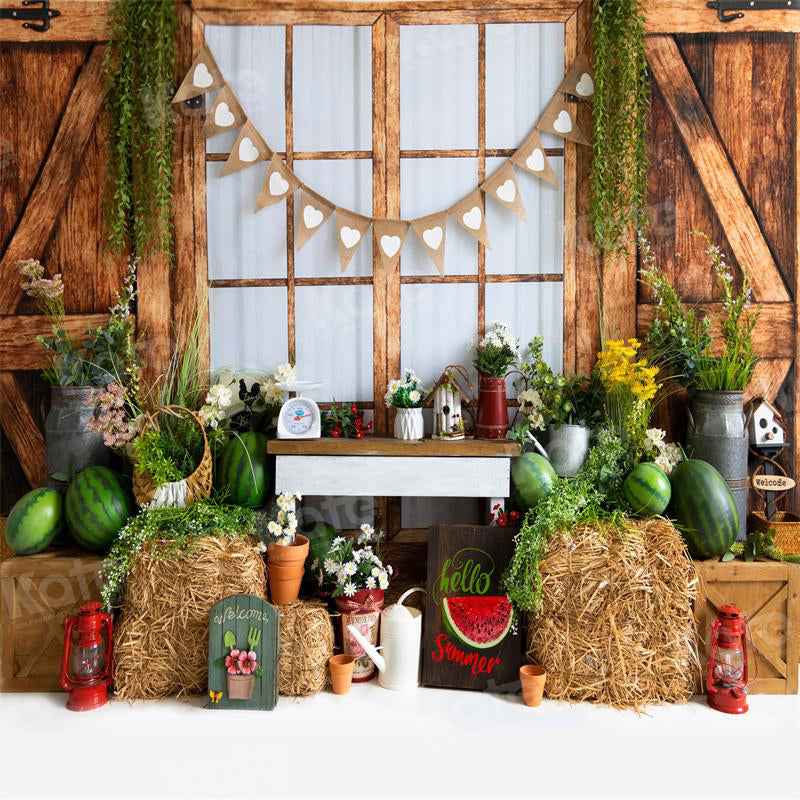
139, 70
406, 393
497, 352
345, 422
620, 108
760, 544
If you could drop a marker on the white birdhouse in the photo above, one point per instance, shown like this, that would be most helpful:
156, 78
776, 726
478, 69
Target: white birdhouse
448, 401
766, 426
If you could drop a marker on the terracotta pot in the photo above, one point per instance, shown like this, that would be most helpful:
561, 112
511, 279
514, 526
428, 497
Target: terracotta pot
341, 667
286, 566
363, 609
491, 419
532, 677
240, 687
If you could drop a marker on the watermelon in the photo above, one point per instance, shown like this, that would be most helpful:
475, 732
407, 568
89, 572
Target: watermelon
647, 489
98, 504
478, 622
320, 537
533, 478
703, 508
34, 521
243, 471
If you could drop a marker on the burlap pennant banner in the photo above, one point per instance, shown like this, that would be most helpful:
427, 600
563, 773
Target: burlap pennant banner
431, 231
351, 229
503, 187
470, 215
279, 183
314, 213
531, 156
204, 76
248, 149
389, 237
579, 80
559, 118
225, 115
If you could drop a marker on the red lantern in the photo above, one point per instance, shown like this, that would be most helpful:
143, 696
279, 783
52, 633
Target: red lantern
87, 663
727, 676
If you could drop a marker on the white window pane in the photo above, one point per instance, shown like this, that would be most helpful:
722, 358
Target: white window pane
334, 340
437, 323
428, 185
251, 59
524, 67
438, 86
248, 328
242, 244
535, 246
332, 87
346, 183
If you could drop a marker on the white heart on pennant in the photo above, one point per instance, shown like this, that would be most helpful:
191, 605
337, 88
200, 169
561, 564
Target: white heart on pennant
312, 217
433, 237
350, 236
563, 123
202, 77
507, 192
535, 160
278, 185
390, 244
247, 150
223, 116
472, 219
585, 86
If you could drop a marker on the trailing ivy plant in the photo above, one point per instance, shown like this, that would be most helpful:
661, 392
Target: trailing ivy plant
139, 65
620, 108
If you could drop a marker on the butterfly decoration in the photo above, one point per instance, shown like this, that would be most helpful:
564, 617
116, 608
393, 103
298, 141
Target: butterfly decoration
215, 696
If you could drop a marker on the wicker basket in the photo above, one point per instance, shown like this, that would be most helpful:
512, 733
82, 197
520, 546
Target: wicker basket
198, 484
786, 526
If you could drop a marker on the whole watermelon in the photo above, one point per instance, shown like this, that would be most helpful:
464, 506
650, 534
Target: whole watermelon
34, 521
99, 502
647, 489
533, 477
320, 537
243, 470
704, 508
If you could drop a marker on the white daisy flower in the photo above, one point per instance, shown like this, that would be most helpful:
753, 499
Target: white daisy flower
330, 566
341, 577
371, 583
350, 589
274, 528
338, 542
350, 568
375, 572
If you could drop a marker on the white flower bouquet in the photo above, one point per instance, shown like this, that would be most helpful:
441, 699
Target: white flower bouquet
406, 393
354, 565
284, 527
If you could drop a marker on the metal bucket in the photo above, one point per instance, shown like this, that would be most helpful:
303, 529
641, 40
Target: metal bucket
717, 433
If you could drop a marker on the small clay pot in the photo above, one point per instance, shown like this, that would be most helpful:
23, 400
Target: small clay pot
286, 566
342, 672
532, 677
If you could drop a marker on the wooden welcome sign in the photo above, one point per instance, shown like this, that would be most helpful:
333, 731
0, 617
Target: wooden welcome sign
243, 653
471, 639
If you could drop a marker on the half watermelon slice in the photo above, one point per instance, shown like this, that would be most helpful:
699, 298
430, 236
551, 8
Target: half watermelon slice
478, 622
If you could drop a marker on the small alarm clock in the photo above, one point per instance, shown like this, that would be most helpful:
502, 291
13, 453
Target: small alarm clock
299, 417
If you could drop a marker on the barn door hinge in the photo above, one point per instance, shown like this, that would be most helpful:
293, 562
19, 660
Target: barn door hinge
729, 10
35, 11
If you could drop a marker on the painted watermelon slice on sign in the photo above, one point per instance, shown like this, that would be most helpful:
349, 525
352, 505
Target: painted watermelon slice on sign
478, 622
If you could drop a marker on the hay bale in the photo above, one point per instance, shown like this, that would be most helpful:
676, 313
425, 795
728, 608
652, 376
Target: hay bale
161, 637
306, 637
616, 624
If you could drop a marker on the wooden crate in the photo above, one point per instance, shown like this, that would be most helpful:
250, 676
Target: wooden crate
768, 592
36, 593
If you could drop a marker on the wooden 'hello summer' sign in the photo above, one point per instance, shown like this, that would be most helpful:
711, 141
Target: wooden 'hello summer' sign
243, 653
471, 639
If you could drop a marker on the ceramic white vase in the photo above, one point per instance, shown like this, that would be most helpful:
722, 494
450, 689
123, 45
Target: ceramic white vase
409, 424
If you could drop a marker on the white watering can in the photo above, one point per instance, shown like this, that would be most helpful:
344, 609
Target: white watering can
401, 636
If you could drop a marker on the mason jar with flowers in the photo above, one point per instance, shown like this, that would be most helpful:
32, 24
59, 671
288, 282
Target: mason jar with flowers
361, 578
406, 397
495, 354
287, 552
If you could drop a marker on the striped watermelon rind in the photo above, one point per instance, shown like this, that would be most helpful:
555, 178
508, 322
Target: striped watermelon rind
533, 478
243, 472
479, 622
98, 505
34, 521
703, 508
647, 489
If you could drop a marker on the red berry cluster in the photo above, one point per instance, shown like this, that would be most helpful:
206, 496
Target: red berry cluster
499, 517
343, 422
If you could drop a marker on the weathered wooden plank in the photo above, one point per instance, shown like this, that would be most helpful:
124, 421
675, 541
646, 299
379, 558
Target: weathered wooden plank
22, 430
793, 455
567, 7
792, 629
80, 21
288, 77
56, 177
388, 446
270, 16
714, 168
690, 16
768, 378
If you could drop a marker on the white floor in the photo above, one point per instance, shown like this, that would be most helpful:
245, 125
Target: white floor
374, 743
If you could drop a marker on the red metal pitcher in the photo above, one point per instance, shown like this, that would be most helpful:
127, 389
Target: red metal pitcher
491, 419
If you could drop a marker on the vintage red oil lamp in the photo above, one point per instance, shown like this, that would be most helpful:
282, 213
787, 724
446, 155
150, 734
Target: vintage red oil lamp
727, 676
87, 663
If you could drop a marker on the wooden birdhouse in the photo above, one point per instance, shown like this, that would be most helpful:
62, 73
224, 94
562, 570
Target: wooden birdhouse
766, 425
449, 399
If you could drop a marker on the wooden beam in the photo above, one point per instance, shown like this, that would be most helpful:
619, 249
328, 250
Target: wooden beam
153, 314
714, 168
270, 16
80, 21
288, 78
692, 16
56, 178
566, 7
22, 430
768, 378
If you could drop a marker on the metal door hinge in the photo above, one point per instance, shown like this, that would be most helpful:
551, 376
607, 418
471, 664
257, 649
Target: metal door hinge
35, 15
729, 10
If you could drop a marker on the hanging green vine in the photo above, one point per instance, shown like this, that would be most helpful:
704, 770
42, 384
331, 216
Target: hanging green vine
139, 66
621, 103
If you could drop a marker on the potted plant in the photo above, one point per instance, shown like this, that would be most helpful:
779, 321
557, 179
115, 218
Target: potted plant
406, 397
287, 552
241, 666
360, 582
496, 353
